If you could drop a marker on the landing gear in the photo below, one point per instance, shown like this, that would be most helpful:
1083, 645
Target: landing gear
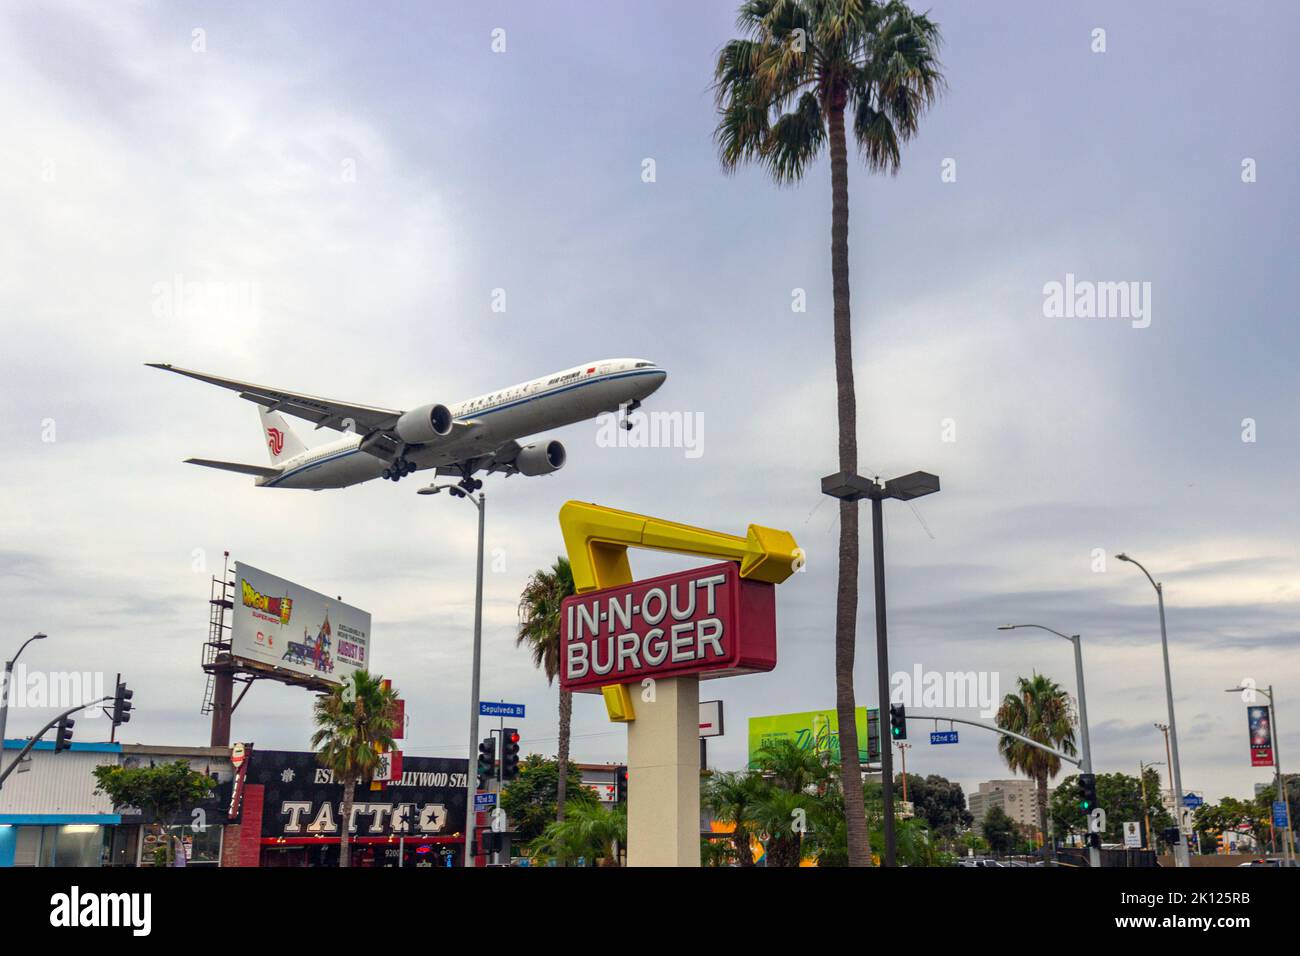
468, 483
628, 409
399, 469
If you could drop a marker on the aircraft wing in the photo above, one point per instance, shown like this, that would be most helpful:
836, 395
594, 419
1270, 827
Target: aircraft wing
501, 461
323, 412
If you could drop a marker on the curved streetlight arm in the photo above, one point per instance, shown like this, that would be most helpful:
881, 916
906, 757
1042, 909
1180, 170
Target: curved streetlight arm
1124, 557
35, 637
1012, 627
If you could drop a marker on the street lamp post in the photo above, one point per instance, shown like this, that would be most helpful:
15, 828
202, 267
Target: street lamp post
4, 694
1094, 855
1288, 849
1181, 854
850, 487
470, 776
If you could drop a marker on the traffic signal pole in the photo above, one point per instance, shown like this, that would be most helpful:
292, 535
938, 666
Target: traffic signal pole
42, 732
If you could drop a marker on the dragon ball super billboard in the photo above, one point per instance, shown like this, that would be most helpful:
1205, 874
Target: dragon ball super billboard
283, 625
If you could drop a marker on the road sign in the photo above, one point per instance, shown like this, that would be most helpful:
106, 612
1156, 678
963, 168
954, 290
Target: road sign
943, 736
485, 801
488, 708
1132, 834
1279, 813
1191, 800
1097, 820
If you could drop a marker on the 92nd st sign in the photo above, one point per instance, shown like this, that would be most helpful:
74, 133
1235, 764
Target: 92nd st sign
707, 621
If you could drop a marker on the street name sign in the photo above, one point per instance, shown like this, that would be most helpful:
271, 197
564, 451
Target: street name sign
491, 708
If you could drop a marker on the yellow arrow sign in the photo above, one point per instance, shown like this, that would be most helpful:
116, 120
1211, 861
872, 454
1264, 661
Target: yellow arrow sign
597, 539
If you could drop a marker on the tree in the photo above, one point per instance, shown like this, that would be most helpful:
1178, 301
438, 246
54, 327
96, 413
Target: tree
539, 631
999, 831
354, 722
161, 793
588, 832
782, 91
1120, 795
1039, 710
529, 800
731, 798
939, 801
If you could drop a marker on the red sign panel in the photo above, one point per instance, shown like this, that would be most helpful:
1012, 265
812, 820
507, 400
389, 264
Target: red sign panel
1261, 736
708, 621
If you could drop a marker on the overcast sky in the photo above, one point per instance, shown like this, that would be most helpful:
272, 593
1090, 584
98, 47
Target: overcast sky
362, 178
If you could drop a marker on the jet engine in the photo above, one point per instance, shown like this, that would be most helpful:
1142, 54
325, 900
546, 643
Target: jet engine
540, 458
424, 424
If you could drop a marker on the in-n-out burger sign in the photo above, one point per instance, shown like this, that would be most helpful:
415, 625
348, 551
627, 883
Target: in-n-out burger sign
707, 621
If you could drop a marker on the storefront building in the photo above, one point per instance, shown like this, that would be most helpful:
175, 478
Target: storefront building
286, 812
280, 808
49, 812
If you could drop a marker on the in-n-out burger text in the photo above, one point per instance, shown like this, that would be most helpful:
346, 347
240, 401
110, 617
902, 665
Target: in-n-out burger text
680, 639
707, 620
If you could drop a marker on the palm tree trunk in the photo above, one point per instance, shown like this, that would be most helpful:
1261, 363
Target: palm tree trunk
1041, 796
562, 758
345, 847
846, 600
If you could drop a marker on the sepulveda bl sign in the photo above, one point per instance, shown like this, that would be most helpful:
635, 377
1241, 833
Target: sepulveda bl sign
707, 621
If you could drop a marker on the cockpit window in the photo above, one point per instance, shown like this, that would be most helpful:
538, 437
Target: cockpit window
643, 364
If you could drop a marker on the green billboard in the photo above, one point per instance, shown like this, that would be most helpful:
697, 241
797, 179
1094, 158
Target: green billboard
817, 730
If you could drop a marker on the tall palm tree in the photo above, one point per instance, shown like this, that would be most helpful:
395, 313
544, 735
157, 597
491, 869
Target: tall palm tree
354, 722
782, 91
539, 629
1039, 710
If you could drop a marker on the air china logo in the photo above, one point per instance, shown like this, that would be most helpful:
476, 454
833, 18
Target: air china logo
277, 607
275, 440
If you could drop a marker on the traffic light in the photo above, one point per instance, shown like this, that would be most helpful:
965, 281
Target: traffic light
122, 704
509, 753
489, 842
63, 734
487, 758
1170, 835
1094, 840
620, 785
897, 722
1087, 792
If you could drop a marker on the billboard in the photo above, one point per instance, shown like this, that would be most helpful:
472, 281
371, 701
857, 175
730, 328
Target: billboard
279, 624
817, 730
1261, 737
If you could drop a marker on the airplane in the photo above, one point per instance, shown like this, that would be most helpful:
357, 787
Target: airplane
478, 435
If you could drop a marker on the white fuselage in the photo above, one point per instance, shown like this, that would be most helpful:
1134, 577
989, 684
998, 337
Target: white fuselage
552, 401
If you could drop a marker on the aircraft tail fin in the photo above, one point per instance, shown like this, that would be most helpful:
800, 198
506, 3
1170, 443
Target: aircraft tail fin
281, 442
